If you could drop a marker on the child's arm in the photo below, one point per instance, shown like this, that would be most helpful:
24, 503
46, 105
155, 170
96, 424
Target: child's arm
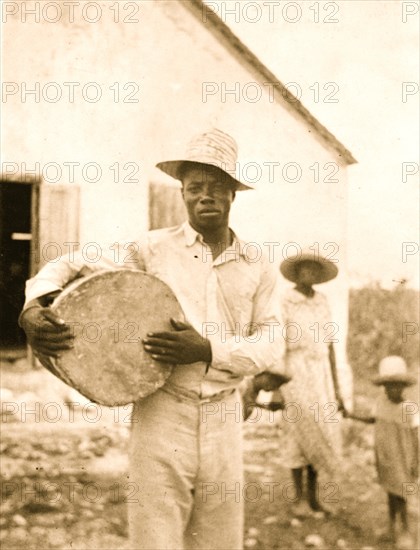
416, 443
366, 419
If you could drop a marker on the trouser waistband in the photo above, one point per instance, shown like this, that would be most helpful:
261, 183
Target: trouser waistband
182, 394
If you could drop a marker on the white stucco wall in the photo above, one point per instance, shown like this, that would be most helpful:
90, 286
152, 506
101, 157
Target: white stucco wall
170, 56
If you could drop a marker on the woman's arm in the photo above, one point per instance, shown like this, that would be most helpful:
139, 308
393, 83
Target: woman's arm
333, 364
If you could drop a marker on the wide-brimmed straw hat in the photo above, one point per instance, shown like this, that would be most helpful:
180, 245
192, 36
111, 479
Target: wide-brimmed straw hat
393, 369
289, 266
212, 148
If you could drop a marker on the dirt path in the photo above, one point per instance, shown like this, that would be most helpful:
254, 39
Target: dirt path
65, 485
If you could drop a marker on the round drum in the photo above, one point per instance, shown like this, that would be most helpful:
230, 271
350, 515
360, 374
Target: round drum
110, 313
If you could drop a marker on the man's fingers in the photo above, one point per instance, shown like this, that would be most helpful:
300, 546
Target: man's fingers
170, 359
46, 338
179, 325
46, 324
160, 343
50, 349
53, 318
161, 336
51, 336
161, 351
53, 346
48, 352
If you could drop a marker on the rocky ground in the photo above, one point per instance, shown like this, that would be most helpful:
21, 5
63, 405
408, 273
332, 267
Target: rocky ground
65, 482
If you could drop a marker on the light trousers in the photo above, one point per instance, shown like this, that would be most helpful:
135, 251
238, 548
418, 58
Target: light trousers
186, 462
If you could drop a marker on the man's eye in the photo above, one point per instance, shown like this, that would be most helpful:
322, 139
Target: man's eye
218, 188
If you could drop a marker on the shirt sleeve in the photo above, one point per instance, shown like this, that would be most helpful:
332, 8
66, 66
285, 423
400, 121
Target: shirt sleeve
262, 349
54, 276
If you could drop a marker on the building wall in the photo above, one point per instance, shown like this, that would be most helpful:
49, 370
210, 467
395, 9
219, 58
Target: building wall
170, 57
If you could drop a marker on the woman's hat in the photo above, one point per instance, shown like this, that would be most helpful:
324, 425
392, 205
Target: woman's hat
393, 369
289, 266
212, 148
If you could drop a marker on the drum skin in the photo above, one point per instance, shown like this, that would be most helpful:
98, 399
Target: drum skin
110, 313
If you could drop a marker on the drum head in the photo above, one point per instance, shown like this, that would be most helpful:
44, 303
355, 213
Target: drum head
110, 313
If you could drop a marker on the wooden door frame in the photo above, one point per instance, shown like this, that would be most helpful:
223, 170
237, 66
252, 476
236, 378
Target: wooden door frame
35, 194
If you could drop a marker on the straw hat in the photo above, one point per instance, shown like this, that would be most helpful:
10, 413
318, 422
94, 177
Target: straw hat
214, 148
393, 369
289, 266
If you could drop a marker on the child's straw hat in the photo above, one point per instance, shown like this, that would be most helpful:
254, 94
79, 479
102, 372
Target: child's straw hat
393, 369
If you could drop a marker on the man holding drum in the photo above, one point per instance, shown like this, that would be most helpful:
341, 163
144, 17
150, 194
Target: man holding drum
186, 440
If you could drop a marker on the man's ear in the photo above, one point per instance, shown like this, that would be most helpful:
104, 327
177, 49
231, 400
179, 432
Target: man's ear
182, 190
233, 195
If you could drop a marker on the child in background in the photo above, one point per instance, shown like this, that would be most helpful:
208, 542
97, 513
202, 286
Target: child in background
396, 442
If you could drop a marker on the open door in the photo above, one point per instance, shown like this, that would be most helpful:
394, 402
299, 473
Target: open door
35, 222
15, 259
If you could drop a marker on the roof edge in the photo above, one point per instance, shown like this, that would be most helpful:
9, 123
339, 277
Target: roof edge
215, 24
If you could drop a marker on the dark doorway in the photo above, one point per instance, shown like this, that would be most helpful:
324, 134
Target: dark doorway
15, 250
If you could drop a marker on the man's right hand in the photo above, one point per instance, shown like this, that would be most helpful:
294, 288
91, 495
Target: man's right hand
47, 334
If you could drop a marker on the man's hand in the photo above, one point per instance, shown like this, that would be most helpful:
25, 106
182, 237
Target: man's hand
269, 381
181, 346
47, 334
340, 403
346, 413
275, 405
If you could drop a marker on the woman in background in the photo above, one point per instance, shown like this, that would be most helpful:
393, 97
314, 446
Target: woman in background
311, 421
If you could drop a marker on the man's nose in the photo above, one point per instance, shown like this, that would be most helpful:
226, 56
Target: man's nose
207, 193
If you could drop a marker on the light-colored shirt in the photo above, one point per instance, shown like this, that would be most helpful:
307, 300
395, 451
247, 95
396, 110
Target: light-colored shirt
232, 300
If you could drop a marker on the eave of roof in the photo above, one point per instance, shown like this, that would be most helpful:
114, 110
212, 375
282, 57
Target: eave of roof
213, 23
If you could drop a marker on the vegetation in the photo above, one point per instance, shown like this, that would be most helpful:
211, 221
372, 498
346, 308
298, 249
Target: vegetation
382, 322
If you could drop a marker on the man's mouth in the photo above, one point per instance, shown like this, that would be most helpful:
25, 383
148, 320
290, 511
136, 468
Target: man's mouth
209, 212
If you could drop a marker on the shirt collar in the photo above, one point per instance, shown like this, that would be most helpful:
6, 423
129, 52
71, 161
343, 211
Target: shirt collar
238, 245
190, 234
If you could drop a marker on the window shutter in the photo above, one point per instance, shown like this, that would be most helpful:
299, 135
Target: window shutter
57, 223
166, 207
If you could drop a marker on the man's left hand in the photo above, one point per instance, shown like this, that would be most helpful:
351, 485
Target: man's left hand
183, 345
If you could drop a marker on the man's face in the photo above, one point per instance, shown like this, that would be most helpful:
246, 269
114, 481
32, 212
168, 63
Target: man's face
308, 272
207, 197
